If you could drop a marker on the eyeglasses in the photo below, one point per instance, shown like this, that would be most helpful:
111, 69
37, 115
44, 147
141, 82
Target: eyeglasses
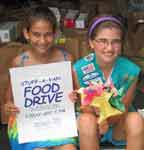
105, 42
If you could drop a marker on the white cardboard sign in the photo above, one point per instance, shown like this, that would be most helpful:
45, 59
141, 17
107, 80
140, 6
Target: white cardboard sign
41, 93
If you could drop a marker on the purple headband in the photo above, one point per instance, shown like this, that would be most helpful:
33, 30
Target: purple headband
103, 19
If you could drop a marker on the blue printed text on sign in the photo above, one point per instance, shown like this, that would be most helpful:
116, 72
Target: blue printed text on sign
42, 94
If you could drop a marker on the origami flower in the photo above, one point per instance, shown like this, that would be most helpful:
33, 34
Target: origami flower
99, 95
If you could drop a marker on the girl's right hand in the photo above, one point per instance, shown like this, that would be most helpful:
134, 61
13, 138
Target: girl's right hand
74, 96
11, 109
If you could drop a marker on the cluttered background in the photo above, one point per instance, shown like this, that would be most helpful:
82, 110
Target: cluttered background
72, 17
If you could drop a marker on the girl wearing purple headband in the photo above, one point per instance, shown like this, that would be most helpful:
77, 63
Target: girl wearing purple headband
106, 65
103, 19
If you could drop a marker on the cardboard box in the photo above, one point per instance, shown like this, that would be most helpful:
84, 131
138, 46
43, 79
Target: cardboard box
7, 52
72, 45
81, 21
8, 31
69, 19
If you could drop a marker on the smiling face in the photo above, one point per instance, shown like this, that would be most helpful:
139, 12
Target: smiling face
40, 35
107, 45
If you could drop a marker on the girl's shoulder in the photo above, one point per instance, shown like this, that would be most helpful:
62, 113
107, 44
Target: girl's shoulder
125, 64
62, 53
20, 59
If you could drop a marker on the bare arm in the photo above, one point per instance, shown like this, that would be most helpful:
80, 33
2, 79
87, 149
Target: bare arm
127, 100
10, 108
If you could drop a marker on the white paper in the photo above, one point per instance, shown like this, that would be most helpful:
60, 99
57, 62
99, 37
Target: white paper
41, 93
